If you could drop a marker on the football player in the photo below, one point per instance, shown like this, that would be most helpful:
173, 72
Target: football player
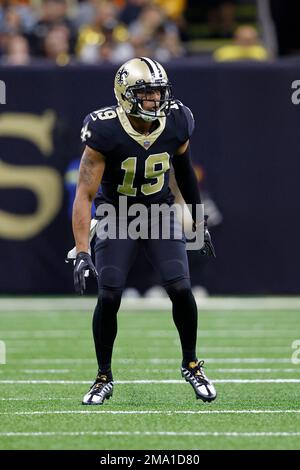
129, 148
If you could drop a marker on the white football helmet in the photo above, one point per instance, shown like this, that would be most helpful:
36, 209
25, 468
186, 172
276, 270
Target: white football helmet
142, 75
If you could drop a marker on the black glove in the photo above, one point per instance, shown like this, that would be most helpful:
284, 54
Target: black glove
208, 248
83, 263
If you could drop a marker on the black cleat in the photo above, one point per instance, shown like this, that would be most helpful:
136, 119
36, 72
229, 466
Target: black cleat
101, 389
203, 387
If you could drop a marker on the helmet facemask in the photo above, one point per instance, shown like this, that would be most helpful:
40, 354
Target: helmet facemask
162, 110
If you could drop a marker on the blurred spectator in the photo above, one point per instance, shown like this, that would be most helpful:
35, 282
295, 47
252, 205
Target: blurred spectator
105, 28
166, 45
221, 17
54, 12
16, 15
94, 30
56, 45
154, 35
111, 52
106, 52
10, 25
147, 23
215, 18
17, 52
174, 9
132, 10
246, 46
6, 3
85, 10
12, 22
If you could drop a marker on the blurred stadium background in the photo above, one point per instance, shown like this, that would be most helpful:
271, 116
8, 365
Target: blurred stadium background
236, 65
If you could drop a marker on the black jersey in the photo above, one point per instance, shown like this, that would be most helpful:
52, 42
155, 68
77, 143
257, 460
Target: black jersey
136, 166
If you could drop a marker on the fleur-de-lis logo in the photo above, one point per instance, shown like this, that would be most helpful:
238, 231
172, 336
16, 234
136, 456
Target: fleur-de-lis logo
85, 133
121, 76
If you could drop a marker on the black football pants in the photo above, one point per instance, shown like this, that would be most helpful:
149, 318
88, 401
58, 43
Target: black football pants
113, 259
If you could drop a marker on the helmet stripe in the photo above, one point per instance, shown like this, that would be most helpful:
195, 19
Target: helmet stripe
147, 61
159, 70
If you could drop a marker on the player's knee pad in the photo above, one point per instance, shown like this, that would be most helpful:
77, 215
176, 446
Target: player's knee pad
109, 301
173, 270
179, 290
111, 277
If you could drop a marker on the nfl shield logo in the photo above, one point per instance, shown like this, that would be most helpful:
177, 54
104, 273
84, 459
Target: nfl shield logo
147, 144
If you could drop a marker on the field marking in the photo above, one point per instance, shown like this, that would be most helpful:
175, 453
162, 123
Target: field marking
170, 381
244, 349
208, 360
250, 371
223, 371
45, 371
39, 334
150, 433
166, 371
213, 333
168, 333
36, 399
145, 412
157, 360
213, 349
208, 303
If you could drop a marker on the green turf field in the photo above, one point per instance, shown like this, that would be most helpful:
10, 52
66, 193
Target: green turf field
247, 346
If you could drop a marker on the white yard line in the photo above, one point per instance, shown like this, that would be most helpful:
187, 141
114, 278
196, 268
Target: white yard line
122, 382
147, 412
149, 433
61, 360
37, 399
41, 334
156, 360
45, 371
213, 349
223, 333
207, 303
247, 349
222, 371
168, 371
170, 333
254, 371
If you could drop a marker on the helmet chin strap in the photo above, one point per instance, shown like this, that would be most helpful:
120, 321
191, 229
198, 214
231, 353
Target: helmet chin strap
142, 113
145, 117
148, 118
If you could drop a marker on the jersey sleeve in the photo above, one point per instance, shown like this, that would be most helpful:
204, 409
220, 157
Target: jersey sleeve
95, 134
190, 121
186, 123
